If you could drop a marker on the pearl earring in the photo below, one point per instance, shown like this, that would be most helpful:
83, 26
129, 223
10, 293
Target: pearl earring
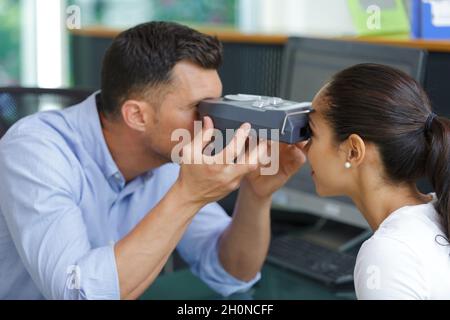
348, 165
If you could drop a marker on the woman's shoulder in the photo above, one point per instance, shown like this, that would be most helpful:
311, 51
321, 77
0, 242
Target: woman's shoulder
387, 267
415, 226
399, 253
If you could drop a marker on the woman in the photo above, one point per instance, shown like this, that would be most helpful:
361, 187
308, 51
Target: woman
373, 136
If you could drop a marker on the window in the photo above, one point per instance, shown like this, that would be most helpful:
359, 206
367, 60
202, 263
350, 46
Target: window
9, 42
122, 14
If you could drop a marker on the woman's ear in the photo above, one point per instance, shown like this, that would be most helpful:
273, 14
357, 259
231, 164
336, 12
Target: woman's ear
356, 150
136, 114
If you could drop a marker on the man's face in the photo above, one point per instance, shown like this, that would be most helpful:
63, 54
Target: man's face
178, 109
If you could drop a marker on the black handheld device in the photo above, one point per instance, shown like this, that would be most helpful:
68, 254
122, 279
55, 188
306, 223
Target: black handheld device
289, 119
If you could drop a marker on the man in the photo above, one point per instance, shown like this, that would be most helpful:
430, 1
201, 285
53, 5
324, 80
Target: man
91, 205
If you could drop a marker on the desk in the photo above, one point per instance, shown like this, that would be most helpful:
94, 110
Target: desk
275, 284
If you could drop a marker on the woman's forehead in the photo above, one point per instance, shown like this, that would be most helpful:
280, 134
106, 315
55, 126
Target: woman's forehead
319, 103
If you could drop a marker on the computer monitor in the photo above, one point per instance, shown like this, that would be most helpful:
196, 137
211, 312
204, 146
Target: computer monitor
308, 65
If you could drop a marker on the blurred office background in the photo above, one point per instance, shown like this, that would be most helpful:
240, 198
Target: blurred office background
35, 35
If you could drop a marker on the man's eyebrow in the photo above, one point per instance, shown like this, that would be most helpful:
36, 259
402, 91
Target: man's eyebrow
195, 102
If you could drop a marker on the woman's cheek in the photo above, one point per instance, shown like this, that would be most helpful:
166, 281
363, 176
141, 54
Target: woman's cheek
312, 155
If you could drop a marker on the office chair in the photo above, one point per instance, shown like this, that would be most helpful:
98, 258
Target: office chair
19, 102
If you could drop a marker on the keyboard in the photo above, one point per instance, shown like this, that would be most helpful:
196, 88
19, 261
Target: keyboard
330, 267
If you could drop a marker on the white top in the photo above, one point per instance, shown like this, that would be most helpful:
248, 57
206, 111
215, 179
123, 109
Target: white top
408, 257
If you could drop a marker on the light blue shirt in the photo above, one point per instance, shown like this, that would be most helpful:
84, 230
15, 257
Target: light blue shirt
64, 203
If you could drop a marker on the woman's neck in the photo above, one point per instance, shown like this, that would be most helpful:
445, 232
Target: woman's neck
377, 201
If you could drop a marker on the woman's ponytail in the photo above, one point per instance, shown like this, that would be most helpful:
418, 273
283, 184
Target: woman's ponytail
438, 164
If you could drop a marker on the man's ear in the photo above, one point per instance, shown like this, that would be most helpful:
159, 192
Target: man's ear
355, 150
136, 114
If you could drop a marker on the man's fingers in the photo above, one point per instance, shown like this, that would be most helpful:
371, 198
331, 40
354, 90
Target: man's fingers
301, 149
193, 152
203, 138
237, 144
207, 131
255, 158
207, 123
253, 153
264, 148
302, 144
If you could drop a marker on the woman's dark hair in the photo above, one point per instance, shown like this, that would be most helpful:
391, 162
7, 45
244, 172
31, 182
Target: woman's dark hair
389, 108
143, 57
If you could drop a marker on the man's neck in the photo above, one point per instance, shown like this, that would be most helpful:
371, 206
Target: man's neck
127, 151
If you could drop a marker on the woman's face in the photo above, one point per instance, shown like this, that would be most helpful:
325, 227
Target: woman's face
326, 156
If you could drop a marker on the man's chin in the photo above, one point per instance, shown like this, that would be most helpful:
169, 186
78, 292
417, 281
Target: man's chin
160, 159
165, 160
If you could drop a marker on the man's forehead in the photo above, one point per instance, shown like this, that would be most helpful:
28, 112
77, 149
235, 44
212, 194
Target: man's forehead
187, 71
196, 83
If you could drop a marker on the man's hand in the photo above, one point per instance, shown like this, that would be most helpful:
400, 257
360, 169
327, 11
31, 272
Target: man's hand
205, 179
244, 245
291, 158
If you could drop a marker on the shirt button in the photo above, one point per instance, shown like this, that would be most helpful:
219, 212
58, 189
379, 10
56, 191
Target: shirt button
148, 176
117, 176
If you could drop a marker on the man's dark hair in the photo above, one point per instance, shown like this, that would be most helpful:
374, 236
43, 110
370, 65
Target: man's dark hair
143, 57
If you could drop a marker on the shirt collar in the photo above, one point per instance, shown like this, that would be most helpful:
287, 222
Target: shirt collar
426, 209
92, 137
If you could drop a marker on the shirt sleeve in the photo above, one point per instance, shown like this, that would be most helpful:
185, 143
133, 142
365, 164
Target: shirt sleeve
199, 247
38, 198
388, 269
